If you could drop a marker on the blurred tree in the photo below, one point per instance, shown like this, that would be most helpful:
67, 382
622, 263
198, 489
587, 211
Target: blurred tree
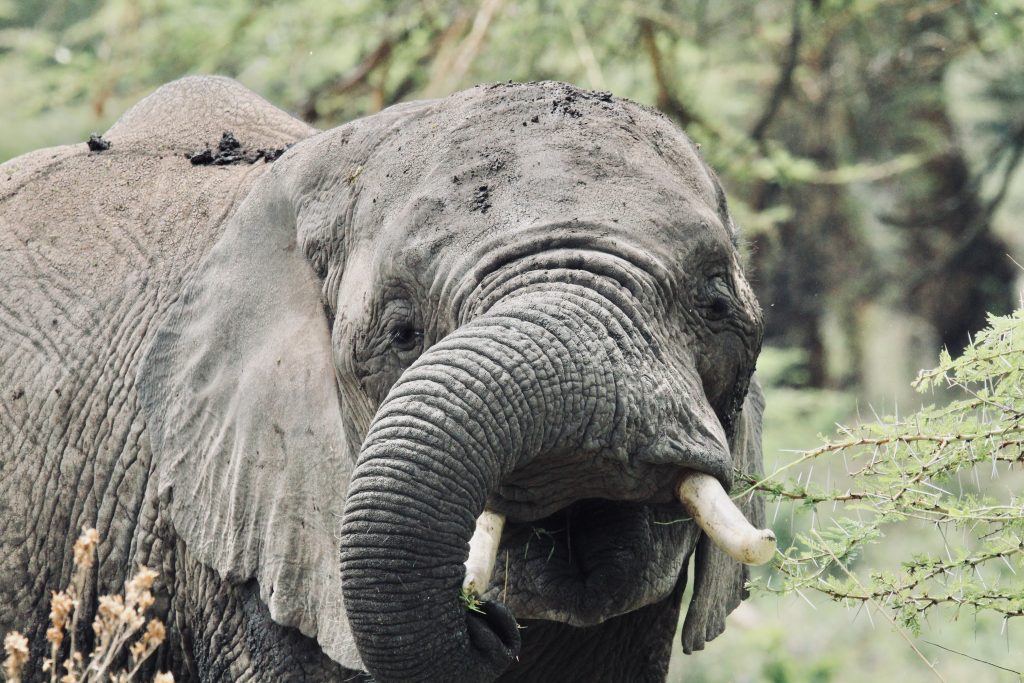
829, 120
954, 269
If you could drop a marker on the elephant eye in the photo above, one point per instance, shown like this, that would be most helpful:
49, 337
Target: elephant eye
405, 338
717, 298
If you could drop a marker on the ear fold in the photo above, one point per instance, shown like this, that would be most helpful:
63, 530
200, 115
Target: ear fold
245, 421
720, 581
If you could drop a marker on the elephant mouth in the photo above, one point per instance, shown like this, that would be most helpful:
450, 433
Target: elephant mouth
594, 538
592, 560
542, 491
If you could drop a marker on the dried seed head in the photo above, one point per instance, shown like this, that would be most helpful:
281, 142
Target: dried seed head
61, 607
55, 635
142, 581
163, 677
16, 647
109, 616
144, 601
155, 632
85, 548
111, 607
149, 642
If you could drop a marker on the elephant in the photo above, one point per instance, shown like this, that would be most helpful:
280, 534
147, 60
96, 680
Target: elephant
289, 369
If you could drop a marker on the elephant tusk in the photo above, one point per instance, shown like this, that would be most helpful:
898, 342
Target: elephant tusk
710, 506
483, 549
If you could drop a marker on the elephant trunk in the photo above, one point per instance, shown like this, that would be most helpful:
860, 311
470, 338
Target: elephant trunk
520, 380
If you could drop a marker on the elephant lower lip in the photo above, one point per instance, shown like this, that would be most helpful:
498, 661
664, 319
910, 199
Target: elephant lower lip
592, 560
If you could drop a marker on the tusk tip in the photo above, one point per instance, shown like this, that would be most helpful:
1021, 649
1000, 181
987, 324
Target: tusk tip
762, 550
718, 516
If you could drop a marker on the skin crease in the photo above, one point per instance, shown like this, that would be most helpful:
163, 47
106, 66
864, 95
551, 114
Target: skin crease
522, 296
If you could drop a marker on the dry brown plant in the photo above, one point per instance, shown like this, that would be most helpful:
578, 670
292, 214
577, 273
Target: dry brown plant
119, 619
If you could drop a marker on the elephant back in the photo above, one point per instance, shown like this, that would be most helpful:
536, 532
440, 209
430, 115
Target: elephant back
192, 112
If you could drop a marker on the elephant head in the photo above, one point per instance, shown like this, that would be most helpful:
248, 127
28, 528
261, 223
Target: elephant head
523, 297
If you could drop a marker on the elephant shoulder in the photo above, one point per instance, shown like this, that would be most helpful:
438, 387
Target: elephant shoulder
193, 112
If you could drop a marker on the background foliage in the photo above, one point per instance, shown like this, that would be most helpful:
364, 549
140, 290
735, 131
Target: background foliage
870, 149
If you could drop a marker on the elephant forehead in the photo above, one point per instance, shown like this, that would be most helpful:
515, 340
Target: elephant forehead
495, 162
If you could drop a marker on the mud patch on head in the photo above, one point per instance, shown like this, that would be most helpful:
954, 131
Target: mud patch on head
230, 151
97, 143
566, 105
482, 199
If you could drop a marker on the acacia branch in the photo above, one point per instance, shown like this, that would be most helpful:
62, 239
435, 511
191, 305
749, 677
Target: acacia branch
977, 659
890, 619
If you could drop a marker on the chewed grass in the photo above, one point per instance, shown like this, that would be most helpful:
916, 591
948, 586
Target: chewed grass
470, 599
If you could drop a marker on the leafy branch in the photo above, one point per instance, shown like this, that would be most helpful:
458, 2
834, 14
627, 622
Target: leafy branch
923, 467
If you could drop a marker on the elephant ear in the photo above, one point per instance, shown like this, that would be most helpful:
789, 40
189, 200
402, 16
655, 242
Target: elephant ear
720, 581
245, 421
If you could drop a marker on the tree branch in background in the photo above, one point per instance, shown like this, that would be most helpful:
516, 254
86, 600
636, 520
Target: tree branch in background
981, 222
352, 79
696, 27
448, 46
446, 80
785, 82
666, 101
583, 48
1014, 150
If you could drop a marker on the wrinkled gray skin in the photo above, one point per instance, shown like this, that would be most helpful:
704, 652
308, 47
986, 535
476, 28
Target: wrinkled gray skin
292, 387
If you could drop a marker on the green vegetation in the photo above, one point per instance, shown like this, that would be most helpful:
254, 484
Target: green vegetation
915, 519
927, 467
470, 599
